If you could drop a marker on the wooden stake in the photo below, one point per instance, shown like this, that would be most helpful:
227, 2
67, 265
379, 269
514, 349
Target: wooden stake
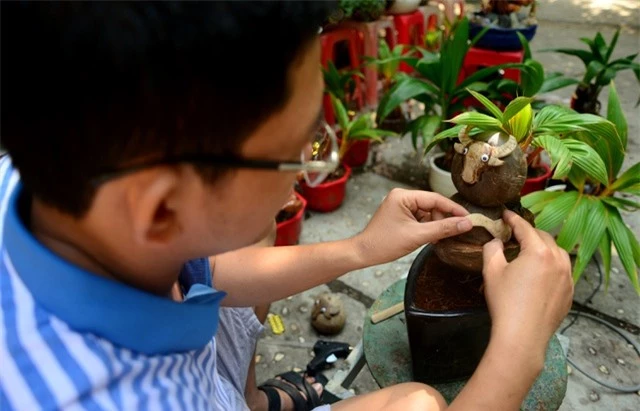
387, 313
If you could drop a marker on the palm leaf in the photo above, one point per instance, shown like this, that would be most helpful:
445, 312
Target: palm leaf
586, 158
403, 90
620, 239
537, 200
616, 115
629, 178
605, 252
561, 158
497, 113
570, 233
556, 211
594, 227
479, 120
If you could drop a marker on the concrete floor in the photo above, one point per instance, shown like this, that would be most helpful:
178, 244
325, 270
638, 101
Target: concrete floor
394, 164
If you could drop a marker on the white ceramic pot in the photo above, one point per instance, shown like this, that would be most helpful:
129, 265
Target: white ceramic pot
439, 179
403, 6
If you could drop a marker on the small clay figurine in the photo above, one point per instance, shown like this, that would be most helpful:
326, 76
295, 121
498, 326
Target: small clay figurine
328, 316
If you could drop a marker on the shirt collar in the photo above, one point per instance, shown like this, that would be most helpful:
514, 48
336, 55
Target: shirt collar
89, 303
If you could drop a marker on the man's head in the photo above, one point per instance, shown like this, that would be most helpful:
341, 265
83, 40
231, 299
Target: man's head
88, 87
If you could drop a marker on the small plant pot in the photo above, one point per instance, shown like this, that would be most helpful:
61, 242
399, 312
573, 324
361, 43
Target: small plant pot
288, 231
326, 196
446, 344
537, 183
357, 154
439, 179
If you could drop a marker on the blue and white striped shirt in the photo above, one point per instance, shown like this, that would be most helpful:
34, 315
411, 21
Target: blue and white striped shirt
72, 340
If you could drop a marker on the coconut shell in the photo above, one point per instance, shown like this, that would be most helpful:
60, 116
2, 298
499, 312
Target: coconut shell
495, 185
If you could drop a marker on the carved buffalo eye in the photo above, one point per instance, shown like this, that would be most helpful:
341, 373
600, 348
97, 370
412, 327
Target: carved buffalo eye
465, 151
484, 158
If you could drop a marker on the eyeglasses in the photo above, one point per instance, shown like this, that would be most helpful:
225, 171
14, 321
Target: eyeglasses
316, 161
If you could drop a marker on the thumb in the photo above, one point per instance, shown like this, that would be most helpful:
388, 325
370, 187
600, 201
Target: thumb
448, 227
493, 258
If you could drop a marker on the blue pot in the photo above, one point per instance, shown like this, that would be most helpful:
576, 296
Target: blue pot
501, 39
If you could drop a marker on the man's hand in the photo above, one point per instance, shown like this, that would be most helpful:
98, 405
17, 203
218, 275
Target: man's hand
406, 220
529, 297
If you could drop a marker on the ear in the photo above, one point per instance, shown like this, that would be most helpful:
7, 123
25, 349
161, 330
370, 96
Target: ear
152, 203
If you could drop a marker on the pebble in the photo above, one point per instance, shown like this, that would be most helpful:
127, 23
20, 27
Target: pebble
615, 270
303, 309
620, 361
592, 351
594, 396
569, 370
289, 298
294, 327
301, 339
356, 187
279, 356
368, 216
596, 334
258, 358
603, 369
620, 311
296, 369
378, 273
369, 199
285, 311
365, 284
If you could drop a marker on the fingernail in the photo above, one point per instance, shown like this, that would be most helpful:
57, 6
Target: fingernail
464, 225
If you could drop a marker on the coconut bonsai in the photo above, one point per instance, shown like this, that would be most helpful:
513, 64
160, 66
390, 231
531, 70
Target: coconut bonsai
600, 70
289, 220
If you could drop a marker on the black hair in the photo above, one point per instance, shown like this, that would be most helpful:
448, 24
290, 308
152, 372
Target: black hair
88, 86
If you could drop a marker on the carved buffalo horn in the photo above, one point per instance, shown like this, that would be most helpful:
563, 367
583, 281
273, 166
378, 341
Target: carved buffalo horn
505, 149
459, 148
495, 162
463, 135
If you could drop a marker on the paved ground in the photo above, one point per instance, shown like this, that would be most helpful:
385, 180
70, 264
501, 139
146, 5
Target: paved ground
601, 352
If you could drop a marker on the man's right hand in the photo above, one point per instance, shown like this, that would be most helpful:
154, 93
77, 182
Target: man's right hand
529, 297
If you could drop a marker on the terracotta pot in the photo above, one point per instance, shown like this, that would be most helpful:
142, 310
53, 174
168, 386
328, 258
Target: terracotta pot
326, 196
440, 180
288, 231
537, 183
357, 154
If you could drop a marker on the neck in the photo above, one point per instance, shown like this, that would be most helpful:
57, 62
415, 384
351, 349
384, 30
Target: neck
67, 237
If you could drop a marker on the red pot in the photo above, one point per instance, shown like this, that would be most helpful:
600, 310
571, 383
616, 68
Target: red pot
288, 231
357, 154
326, 196
537, 183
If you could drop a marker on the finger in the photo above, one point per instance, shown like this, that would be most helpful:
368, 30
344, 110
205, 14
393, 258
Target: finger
523, 231
448, 227
493, 260
424, 200
548, 239
437, 215
423, 216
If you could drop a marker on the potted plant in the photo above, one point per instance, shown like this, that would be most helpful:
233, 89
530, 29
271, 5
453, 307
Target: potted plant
600, 70
505, 19
342, 84
363, 10
289, 220
439, 89
328, 195
388, 64
589, 213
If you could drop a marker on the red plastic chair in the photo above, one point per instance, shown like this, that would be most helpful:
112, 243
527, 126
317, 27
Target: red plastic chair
410, 29
329, 40
477, 58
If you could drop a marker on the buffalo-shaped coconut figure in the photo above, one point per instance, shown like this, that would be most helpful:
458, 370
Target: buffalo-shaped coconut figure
488, 172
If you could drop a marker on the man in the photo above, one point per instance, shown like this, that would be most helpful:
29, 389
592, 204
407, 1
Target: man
145, 135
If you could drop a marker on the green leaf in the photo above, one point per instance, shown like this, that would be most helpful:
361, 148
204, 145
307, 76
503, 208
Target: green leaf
635, 246
593, 69
550, 114
602, 135
403, 90
622, 203
583, 55
479, 120
532, 78
443, 135
486, 72
452, 55
341, 113
556, 211
629, 178
587, 159
537, 200
616, 115
601, 46
525, 46
497, 113
515, 106
561, 158
605, 252
371, 134
620, 239
574, 227
556, 83
594, 227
